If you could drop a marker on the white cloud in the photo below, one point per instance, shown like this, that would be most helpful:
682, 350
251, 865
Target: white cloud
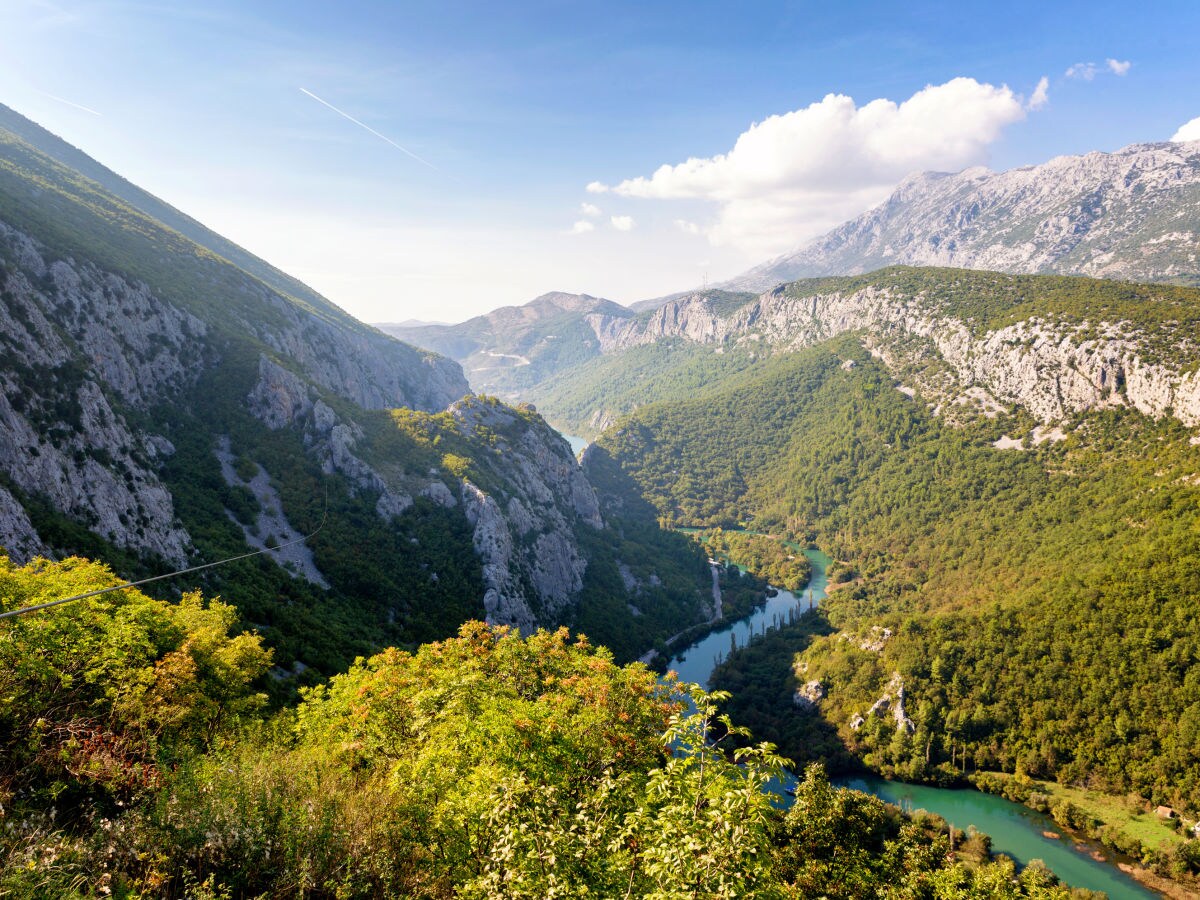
583, 226
1086, 71
1117, 67
793, 176
687, 227
1189, 131
1041, 95
597, 187
623, 223
589, 209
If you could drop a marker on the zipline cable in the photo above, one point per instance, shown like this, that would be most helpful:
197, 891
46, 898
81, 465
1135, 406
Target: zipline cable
120, 587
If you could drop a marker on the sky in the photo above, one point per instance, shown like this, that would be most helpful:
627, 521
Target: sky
437, 160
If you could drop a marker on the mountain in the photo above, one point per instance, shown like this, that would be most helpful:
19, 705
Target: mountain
169, 399
1051, 345
1132, 215
1004, 468
511, 348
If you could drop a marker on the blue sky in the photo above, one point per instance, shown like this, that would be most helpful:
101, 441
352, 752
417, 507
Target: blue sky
518, 107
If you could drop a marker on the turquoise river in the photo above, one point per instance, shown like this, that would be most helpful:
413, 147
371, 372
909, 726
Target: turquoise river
1015, 830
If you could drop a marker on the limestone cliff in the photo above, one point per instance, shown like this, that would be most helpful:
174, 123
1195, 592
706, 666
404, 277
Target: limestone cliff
1053, 364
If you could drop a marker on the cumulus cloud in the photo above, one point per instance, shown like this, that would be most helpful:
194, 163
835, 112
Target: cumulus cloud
623, 223
597, 187
1083, 71
1117, 67
793, 176
589, 209
1189, 131
583, 226
1041, 95
687, 227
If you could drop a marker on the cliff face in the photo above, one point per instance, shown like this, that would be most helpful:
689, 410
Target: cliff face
1133, 214
526, 533
76, 339
170, 399
1050, 366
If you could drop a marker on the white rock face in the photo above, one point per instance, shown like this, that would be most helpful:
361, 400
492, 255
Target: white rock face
280, 398
1052, 370
18, 538
270, 521
533, 566
1133, 214
60, 437
808, 696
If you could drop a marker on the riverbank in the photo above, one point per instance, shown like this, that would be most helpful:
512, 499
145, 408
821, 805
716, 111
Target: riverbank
1128, 826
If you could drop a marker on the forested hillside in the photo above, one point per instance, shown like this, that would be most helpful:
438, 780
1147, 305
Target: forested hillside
136, 761
1040, 601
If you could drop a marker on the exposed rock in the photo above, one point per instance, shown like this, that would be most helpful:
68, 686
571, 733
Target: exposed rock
808, 696
891, 702
279, 397
875, 639
504, 599
1131, 214
1051, 370
532, 562
270, 523
18, 538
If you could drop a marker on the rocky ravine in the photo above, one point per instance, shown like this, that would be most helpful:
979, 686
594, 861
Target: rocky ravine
1050, 369
524, 531
1133, 214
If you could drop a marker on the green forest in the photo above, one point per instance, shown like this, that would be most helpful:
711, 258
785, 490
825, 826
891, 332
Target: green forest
138, 759
1041, 602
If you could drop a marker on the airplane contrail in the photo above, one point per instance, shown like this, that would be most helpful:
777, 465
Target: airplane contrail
68, 102
382, 137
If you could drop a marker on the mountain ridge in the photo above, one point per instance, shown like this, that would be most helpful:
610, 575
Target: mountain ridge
164, 405
1093, 214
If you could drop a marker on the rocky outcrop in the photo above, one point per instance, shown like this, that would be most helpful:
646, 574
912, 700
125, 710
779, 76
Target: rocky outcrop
533, 565
360, 364
1133, 214
891, 703
77, 340
280, 398
808, 696
1052, 370
270, 529
19, 540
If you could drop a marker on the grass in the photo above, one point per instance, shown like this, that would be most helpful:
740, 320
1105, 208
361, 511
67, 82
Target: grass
1126, 815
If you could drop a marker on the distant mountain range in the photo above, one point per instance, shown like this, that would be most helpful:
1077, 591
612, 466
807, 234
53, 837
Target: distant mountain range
1132, 215
516, 347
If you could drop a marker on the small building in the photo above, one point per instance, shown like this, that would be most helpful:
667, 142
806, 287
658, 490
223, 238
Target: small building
1164, 812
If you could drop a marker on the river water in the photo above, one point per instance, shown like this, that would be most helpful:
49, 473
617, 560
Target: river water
1014, 829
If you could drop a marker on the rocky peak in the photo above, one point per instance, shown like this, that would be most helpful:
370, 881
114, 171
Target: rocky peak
1132, 214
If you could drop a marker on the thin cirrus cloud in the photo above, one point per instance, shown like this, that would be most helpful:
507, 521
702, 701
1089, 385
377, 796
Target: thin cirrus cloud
1087, 71
793, 176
